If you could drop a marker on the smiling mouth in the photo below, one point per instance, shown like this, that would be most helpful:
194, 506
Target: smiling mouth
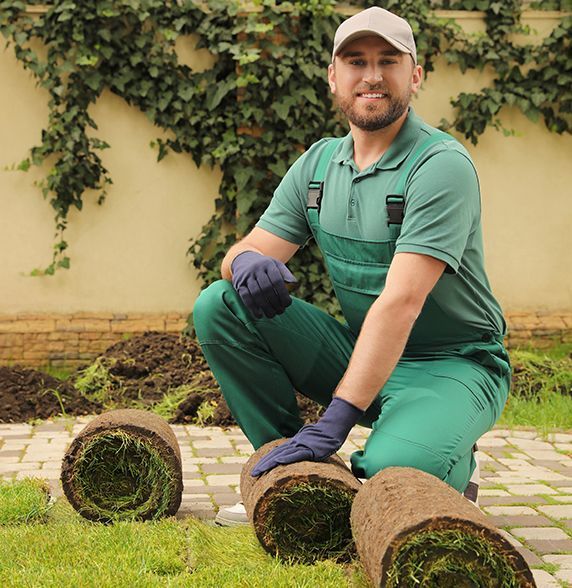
372, 95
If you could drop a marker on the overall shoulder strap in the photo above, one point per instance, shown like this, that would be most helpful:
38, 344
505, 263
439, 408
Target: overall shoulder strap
395, 203
316, 185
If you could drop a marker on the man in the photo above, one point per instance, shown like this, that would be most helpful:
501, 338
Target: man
395, 209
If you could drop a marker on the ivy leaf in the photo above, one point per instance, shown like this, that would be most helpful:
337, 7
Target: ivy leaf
216, 94
310, 95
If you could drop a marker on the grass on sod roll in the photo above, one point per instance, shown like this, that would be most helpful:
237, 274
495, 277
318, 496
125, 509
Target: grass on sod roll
307, 523
121, 476
24, 501
449, 559
71, 551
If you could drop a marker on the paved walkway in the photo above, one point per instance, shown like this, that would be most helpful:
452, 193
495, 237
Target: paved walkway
526, 483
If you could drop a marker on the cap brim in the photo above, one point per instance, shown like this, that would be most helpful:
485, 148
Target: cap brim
368, 33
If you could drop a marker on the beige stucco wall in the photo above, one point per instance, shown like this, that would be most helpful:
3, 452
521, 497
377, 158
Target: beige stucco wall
129, 254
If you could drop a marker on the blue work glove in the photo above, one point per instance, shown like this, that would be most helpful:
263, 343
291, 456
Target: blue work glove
314, 442
261, 283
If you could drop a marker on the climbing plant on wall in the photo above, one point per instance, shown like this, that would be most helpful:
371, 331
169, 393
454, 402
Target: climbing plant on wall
262, 103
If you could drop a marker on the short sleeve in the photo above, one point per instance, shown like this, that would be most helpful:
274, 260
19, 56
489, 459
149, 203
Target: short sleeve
286, 213
442, 207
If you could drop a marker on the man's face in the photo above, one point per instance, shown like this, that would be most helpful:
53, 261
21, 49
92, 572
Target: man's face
373, 82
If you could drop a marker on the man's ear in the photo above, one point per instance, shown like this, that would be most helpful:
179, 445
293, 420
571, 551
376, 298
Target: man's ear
332, 77
416, 78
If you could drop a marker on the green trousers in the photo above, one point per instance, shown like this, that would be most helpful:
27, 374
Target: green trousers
429, 414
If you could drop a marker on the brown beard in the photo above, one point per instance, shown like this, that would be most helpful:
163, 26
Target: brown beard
396, 106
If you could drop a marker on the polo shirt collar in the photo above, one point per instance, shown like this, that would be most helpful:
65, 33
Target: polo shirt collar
398, 150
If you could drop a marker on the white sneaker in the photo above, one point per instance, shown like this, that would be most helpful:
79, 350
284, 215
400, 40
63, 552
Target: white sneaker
232, 516
472, 491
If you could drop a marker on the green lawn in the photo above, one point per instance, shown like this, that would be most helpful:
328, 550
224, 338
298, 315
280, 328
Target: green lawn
70, 551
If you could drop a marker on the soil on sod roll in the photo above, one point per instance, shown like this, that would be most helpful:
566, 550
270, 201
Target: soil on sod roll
124, 465
411, 529
27, 394
301, 511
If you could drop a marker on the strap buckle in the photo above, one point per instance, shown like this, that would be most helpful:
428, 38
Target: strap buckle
315, 193
395, 206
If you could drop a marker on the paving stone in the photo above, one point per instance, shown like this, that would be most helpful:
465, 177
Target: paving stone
208, 489
519, 455
226, 499
544, 579
566, 484
563, 497
521, 521
510, 510
550, 546
497, 433
4, 454
242, 459
201, 460
191, 475
530, 489
189, 468
222, 468
557, 511
512, 540
523, 434
494, 500
525, 444
9, 467
210, 452
494, 466
16, 436
9, 460
564, 575
490, 442
195, 497
492, 492
560, 437
564, 561
550, 455
187, 482
550, 533
31, 474
223, 480
530, 557
213, 444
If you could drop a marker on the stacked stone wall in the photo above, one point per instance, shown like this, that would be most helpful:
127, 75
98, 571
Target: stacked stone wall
69, 340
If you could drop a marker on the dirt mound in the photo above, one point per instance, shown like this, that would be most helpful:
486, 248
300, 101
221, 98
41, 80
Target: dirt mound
26, 394
159, 369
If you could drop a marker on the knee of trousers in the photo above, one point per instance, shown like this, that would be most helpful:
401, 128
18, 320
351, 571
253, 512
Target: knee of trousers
210, 307
398, 453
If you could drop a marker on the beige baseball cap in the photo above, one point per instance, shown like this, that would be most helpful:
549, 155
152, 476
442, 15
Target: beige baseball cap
376, 21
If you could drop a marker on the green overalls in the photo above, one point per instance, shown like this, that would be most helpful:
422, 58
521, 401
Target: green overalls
448, 388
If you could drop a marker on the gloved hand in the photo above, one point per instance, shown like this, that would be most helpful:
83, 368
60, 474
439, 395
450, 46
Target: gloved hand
314, 442
260, 282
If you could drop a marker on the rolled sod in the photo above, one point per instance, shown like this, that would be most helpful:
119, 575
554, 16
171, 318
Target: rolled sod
301, 511
124, 465
411, 529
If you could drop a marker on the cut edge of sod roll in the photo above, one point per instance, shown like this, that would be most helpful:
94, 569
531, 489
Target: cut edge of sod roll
124, 465
301, 511
412, 529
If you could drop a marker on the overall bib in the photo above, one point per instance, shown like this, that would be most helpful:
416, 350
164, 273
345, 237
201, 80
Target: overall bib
447, 390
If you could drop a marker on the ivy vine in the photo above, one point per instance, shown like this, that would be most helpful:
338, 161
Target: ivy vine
263, 102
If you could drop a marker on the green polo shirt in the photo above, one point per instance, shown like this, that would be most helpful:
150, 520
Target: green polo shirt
442, 213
